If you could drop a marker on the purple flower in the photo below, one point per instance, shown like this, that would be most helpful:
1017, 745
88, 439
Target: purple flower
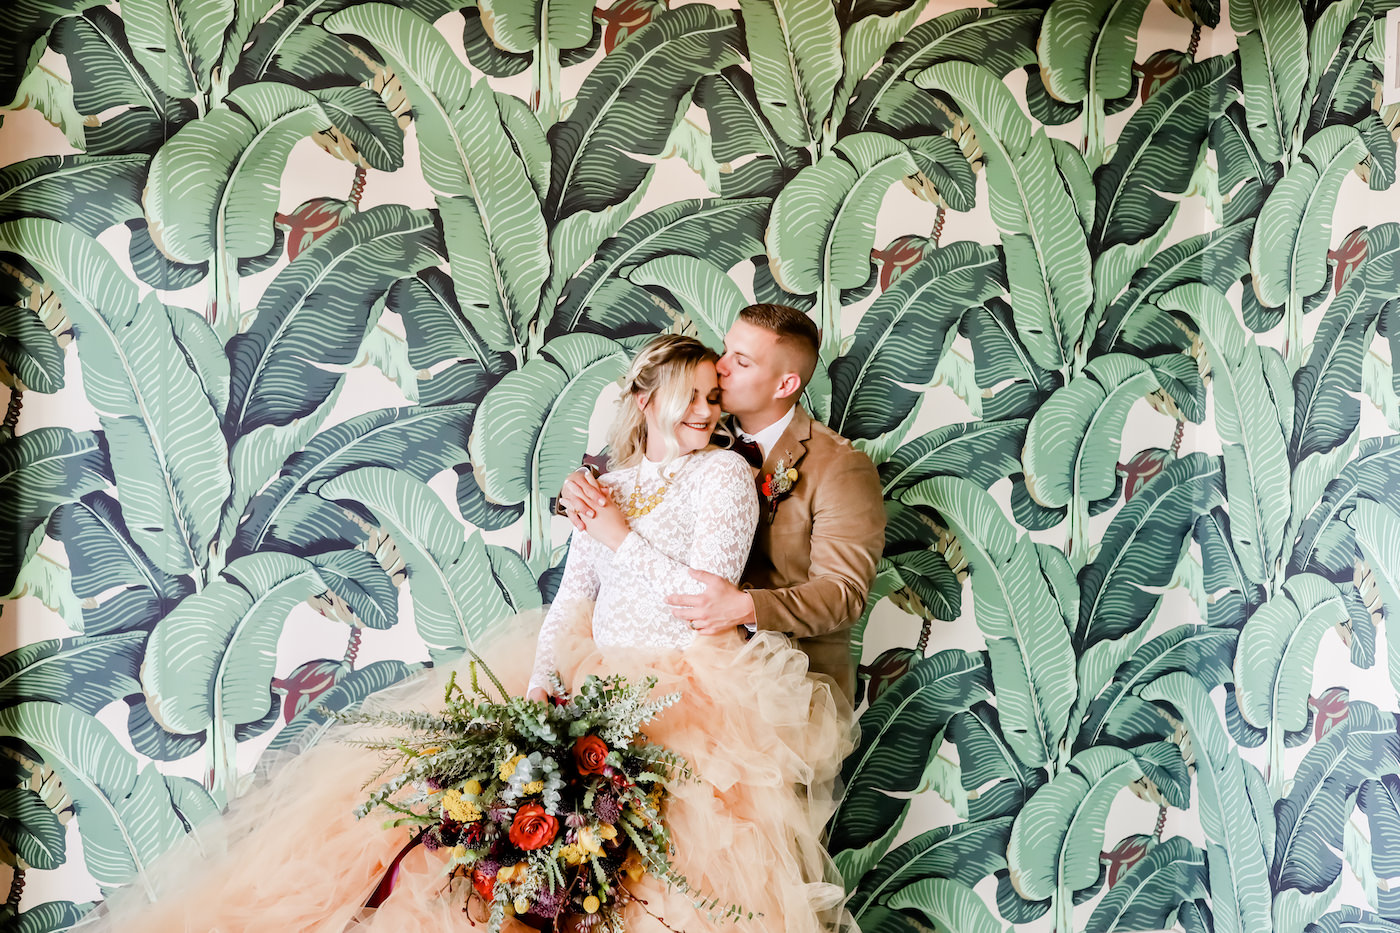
575, 820
607, 807
549, 903
500, 812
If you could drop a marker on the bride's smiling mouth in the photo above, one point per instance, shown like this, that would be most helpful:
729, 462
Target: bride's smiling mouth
697, 425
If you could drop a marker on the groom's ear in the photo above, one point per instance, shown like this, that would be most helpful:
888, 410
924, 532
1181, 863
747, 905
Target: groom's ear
788, 386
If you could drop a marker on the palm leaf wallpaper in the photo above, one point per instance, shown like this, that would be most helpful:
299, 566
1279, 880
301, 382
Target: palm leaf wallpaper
308, 306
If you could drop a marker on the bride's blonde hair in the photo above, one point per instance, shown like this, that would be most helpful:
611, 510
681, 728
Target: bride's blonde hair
664, 372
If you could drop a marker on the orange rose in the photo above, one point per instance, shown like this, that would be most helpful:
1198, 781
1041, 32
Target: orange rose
533, 828
590, 755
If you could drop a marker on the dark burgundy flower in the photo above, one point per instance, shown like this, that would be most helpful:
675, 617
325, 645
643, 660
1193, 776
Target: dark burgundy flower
305, 685
1127, 853
1348, 256
892, 664
1331, 708
312, 220
1144, 465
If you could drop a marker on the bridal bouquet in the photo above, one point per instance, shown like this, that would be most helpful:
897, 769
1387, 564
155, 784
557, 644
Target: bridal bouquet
548, 810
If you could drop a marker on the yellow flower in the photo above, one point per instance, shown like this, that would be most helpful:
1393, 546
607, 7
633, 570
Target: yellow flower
534, 787
522, 904
591, 904
459, 808
508, 767
608, 832
633, 867
473, 787
459, 851
589, 842
792, 474
571, 854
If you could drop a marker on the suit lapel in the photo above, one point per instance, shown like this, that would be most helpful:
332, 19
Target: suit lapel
792, 445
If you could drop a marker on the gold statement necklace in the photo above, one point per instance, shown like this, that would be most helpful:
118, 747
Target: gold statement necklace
637, 504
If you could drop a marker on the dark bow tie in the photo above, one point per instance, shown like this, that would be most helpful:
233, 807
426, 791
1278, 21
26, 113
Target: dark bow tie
749, 450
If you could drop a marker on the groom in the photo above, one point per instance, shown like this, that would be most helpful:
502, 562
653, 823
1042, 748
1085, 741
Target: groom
821, 526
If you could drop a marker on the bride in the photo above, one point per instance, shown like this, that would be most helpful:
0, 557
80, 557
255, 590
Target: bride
765, 740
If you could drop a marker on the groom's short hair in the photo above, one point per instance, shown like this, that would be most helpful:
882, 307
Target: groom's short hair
794, 330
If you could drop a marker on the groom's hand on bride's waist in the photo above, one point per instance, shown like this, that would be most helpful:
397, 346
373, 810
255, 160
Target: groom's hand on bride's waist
721, 607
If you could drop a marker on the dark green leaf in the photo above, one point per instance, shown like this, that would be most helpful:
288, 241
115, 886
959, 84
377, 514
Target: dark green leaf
39, 471
901, 338
629, 104
121, 588
89, 193
314, 315
1005, 367
997, 783
898, 733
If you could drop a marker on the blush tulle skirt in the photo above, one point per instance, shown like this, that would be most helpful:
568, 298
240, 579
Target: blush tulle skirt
765, 740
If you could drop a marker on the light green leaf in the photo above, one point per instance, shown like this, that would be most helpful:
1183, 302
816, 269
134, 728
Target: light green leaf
531, 430
212, 659
178, 42
1032, 659
1235, 852
51, 584
163, 434
124, 814
1247, 418
213, 188
1378, 535
456, 599
822, 228
948, 905
52, 96
1058, 835
1289, 254
1273, 50
710, 298
497, 243
1277, 649
1074, 440
1034, 205
528, 26
84, 673
795, 55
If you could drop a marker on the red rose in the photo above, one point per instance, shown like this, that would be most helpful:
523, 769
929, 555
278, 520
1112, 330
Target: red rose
768, 485
484, 884
533, 828
590, 754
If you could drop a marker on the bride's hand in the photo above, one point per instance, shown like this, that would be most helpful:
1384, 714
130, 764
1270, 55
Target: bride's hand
608, 526
537, 694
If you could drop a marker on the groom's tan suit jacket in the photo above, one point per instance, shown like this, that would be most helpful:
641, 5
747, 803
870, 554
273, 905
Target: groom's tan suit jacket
814, 555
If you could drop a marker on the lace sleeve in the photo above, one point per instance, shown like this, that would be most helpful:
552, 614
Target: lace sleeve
723, 533
579, 584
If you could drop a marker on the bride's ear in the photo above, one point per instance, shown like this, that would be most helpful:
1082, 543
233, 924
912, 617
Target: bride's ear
641, 398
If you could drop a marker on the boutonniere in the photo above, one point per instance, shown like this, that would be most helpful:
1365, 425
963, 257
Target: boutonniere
776, 485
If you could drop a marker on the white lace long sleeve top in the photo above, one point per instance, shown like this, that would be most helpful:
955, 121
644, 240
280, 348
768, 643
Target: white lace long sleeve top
705, 521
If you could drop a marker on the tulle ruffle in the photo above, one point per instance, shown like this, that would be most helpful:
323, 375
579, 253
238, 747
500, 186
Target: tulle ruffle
765, 740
